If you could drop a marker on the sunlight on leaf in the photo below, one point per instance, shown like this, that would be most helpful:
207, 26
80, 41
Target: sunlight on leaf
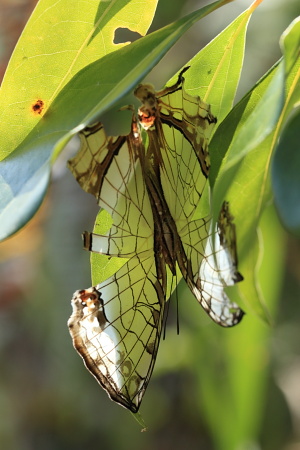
260, 122
290, 44
90, 92
257, 120
57, 42
247, 185
215, 71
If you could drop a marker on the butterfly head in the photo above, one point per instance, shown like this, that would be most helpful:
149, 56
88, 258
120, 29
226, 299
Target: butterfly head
148, 111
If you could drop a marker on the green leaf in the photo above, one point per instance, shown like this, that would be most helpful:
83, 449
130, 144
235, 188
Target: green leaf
247, 185
215, 71
285, 175
58, 42
286, 162
290, 44
250, 288
256, 120
250, 122
71, 105
260, 122
222, 177
233, 368
214, 75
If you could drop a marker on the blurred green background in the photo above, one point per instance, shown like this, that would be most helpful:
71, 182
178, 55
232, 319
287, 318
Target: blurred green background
212, 388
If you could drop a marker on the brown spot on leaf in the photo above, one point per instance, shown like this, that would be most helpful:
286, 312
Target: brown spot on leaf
37, 107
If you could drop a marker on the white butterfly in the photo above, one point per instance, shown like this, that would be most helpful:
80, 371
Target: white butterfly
151, 188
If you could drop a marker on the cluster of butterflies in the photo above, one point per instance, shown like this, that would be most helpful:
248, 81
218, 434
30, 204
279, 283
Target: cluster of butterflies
150, 182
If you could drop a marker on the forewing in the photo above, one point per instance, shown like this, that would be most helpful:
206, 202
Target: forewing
116, 329
184, 127
110, 169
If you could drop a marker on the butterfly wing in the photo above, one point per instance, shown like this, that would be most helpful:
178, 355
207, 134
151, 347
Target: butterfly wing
116, 328
110, 169
180, 132
210, 268
182, 127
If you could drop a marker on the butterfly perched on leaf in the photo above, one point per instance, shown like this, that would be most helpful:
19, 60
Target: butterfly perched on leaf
150, 182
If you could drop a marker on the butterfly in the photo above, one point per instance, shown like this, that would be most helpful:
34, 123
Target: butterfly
150, 182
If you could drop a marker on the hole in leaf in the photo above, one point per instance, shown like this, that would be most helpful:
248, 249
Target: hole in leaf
123, 35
